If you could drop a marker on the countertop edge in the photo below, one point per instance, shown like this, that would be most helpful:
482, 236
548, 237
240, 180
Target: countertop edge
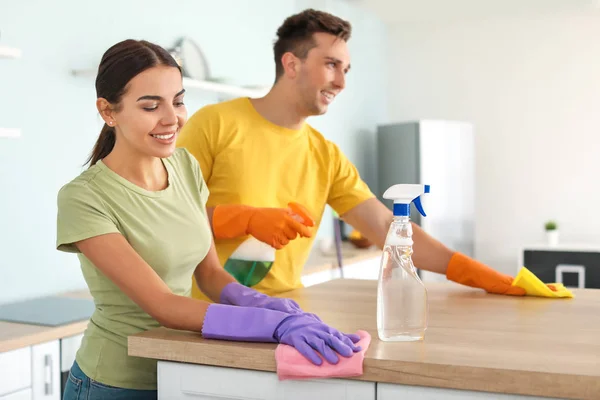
46, 334
491, 380
136, 346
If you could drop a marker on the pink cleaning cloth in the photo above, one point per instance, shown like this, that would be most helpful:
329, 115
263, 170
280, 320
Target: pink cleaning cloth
293, 365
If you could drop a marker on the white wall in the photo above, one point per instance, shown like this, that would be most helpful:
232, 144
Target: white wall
531, 86
60, 124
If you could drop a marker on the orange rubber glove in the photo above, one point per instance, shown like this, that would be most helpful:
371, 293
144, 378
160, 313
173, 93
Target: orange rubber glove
274, 226
469, 272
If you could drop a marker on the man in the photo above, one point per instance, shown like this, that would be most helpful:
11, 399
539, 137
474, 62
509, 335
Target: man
258, 155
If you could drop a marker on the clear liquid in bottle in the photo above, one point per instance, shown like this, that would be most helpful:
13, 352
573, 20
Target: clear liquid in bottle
402, 306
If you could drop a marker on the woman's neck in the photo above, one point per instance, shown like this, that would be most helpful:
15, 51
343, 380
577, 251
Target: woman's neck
142, 170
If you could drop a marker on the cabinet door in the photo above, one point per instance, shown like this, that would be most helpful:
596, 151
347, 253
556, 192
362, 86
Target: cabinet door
191, 381
45, 371
24, 394
15, 370
387, 391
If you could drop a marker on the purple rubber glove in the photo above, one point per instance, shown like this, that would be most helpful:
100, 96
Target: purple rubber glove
301, 331
241, 323
239, 295
311, 337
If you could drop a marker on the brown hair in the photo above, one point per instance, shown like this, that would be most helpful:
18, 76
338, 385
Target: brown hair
296, 34
119, 64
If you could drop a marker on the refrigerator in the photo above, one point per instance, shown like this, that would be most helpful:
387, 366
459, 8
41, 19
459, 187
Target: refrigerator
437, 153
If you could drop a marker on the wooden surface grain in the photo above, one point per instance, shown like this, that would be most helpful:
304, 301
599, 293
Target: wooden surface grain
475, 341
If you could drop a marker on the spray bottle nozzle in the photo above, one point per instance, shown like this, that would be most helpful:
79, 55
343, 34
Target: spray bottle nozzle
419, 206
403, 195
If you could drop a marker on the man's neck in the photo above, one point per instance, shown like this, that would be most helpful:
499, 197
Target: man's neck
279, 107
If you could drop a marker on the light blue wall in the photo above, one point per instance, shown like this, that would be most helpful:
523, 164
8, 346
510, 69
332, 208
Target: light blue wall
59, 122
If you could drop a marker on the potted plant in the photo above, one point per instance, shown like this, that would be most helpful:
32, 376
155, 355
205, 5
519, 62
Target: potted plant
551, 233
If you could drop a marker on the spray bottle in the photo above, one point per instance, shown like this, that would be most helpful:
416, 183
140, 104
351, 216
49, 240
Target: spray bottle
250, 262
401, 296
253, 259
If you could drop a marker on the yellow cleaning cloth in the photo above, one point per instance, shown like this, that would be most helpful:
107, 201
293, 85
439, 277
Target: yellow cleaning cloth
535, 287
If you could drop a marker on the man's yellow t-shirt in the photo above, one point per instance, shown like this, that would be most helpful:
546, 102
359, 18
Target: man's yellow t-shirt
246, 159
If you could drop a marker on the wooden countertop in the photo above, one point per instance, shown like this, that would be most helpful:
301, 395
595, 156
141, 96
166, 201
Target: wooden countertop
14, 335
475, 341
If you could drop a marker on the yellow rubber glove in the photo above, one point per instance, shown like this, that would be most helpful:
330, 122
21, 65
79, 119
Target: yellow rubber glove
274, 226
469, 272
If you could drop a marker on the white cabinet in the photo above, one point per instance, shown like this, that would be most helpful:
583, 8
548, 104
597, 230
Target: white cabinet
386, 391
16, 370
24, 394
191, 381
205, 382
31, 373
45, 371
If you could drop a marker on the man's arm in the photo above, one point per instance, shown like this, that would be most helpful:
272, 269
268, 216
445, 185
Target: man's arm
372, 219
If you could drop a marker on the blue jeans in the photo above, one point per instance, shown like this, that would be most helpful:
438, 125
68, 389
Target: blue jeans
80, 387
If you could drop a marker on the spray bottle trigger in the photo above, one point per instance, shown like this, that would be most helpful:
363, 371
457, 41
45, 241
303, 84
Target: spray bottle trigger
419, 206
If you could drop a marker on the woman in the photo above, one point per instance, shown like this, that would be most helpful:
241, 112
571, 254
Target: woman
137, 219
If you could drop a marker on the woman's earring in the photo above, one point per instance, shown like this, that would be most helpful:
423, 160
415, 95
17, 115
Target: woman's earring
110, 123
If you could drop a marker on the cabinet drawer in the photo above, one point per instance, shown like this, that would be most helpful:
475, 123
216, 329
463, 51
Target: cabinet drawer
190, 381
24, 394
16, 370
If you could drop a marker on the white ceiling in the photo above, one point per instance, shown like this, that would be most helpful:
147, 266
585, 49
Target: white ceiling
394, 11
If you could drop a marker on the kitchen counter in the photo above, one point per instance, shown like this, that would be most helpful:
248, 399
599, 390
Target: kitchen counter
475, 342
16, 335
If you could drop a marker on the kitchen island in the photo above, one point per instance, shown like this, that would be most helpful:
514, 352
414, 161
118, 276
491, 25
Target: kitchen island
477, 346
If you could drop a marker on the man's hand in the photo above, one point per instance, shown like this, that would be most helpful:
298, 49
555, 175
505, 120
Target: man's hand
469, 272
274, 226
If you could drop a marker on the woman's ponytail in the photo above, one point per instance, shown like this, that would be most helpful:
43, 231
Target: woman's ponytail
104, 145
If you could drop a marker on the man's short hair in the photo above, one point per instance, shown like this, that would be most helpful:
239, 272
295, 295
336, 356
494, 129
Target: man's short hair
296, 34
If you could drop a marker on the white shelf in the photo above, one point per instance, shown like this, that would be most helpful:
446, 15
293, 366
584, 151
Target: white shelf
9, 52
9, 133
222, 88
214, 87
